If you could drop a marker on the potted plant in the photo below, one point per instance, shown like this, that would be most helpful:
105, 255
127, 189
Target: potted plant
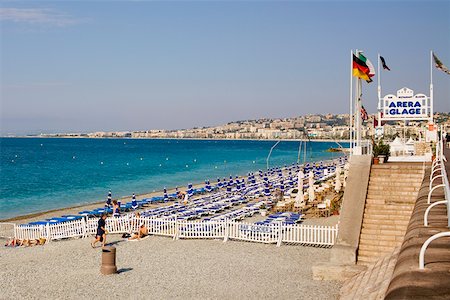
384, 152
263, 210
375, 152
381, 151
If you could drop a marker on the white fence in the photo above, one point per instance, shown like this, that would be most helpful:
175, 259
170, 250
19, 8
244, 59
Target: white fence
276, 233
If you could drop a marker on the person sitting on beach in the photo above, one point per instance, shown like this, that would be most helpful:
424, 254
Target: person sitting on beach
135, 221
143, 232
101, 232
116, 209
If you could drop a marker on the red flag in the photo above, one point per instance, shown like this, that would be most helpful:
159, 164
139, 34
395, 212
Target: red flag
375, 121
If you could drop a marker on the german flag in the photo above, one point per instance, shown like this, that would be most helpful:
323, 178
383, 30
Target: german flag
363, 68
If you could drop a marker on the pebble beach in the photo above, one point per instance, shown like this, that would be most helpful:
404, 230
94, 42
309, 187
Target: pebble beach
163, 268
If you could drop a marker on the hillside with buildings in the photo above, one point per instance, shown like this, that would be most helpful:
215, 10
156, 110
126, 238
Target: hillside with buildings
329, 126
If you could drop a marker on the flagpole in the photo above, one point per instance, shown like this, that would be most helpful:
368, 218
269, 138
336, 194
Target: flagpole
379, 93
379, 82
350, 127
431, 87
358, 116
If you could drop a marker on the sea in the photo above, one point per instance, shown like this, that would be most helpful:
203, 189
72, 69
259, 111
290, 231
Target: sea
40, 174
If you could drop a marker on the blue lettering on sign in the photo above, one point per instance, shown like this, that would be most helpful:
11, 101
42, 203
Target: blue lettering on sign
414, 108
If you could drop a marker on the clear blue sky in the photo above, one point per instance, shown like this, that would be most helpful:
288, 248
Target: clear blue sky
88, 66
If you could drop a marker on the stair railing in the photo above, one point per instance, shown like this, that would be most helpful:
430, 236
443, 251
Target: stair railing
438, 163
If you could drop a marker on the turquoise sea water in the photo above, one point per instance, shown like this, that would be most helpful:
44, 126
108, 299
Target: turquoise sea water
38, 174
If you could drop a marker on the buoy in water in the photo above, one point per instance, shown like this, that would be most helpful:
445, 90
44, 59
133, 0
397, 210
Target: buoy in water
73, 157
160, 165
167, 158
128, 164
101, 163
141, 158
187, 166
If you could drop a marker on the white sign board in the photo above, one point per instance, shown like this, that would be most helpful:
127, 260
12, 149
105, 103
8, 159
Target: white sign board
405, 106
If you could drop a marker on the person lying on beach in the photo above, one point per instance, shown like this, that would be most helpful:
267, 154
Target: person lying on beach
13, 243
101, 232
25, 243
143, 232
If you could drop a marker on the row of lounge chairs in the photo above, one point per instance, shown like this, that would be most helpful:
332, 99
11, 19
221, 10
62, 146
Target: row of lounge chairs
211, 204
287, 218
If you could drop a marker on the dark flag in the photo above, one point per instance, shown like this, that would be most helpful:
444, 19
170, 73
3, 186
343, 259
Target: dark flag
439, 65
383, 62
364, 114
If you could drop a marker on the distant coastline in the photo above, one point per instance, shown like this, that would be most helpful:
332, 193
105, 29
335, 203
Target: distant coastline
171, 138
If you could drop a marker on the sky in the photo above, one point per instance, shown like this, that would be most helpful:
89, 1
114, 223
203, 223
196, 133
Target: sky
88, 66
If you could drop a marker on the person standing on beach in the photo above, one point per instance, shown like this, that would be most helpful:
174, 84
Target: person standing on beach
101, 232
116, 209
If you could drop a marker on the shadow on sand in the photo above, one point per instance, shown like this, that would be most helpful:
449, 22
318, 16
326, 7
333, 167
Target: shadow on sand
123, 270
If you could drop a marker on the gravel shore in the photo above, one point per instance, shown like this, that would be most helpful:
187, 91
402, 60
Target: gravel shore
162, 268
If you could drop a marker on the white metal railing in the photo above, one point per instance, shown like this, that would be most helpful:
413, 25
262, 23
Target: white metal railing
276, 233
436, 166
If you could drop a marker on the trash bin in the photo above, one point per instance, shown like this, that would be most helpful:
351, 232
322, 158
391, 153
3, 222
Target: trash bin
108, 261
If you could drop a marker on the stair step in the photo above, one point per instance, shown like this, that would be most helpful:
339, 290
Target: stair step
380, 240
374, 248
390, 212
390, 199
373, 228
391, 225
393, 187
391, 206
383, 217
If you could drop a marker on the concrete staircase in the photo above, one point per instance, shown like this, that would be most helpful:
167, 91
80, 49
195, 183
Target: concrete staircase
392, 192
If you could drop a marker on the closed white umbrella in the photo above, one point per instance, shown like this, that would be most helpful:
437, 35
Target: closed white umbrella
346, 167
311, 193
300, 198
338, 185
